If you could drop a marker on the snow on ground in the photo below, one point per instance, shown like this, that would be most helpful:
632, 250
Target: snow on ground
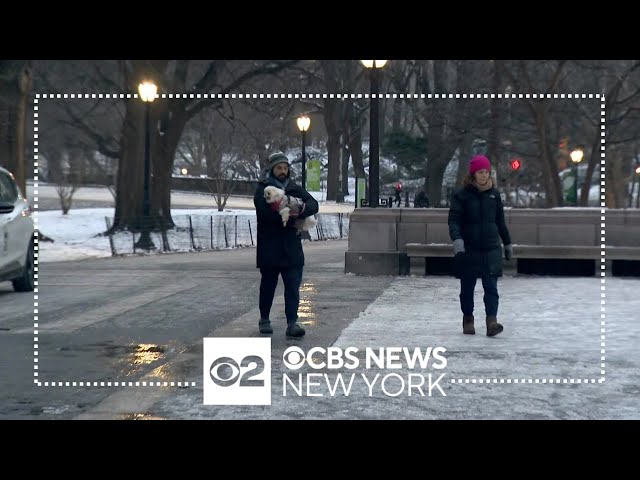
78, 235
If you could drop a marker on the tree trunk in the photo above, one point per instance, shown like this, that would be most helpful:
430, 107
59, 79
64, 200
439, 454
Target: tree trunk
25, 82
77, 166
494, 123
620, 178
333, 154
355, 150
166, 146
463, 159
397, 116
446, 124
353, 139
594, 159
7, 130
54, 166
552, 185
15, 87
434, 179
345, 168
616, 190
332, 117
129, 182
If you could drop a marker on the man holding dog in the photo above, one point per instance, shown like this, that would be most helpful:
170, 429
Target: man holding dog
279, 247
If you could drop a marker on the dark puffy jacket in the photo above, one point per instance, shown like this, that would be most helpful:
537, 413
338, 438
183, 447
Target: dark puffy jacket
478, 218
280, 246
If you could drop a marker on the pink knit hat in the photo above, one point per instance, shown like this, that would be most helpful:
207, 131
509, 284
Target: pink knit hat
479, 162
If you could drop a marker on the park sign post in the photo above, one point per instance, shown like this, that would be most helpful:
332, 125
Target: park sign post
313, 176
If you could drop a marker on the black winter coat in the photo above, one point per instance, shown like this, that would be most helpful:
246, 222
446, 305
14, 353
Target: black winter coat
478, 218
280, 246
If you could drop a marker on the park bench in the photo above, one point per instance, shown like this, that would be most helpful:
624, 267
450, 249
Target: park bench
558, 255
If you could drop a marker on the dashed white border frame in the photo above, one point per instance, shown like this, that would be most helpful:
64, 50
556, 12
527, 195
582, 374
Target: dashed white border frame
338, 96
323, 95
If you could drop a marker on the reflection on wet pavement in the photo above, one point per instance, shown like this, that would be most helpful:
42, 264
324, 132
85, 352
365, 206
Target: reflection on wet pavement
163, 372
132, 358
306, 309
147, 353
141, 416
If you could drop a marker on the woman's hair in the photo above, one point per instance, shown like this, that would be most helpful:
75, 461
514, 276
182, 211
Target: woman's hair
467, 180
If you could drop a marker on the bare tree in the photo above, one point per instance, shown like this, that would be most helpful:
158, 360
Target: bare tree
221, 159
521, 77
343, 119
168, 117
73, 163
623, 128
442, 123
65, 193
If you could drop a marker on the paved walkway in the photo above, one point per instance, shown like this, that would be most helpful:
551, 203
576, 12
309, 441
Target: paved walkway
547, 364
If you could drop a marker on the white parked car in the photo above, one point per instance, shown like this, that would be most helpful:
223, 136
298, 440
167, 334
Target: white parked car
16, 235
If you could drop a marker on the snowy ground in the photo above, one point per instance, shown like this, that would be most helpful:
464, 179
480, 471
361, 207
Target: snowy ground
78, 235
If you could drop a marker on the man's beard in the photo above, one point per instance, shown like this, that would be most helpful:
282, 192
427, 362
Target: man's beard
282, 177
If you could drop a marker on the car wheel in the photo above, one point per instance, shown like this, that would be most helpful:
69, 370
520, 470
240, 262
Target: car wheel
25, 282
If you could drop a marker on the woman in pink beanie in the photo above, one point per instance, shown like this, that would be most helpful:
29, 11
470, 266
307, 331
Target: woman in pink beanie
476, 227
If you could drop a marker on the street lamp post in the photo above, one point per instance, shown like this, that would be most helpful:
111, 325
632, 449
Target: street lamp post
303, 125
638, 182
576, 158
147, 91
374, 133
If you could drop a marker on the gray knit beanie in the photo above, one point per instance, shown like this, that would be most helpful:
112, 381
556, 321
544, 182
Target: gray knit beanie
276, 158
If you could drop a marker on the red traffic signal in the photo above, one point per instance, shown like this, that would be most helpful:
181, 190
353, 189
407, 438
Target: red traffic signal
515, 164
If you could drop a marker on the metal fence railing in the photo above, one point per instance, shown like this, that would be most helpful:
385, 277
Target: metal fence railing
214, 232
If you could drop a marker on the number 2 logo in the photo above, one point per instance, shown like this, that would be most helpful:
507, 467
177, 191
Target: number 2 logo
225, 371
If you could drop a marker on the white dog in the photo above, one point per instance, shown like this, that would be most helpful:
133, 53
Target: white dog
288, 206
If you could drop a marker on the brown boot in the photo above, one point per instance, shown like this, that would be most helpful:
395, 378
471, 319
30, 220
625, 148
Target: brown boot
467, 325
493, 327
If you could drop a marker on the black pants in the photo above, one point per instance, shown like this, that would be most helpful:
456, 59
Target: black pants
292, 278
398, 198
490, 285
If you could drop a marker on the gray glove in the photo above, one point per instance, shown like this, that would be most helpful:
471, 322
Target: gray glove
458, 246
508, 252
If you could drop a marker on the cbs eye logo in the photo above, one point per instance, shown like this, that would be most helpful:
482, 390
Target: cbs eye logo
293, 358
225, 371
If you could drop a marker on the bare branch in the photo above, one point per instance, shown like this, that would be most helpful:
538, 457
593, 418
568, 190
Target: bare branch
108, 81
180, 76
100, 141
270, 68
208, 79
